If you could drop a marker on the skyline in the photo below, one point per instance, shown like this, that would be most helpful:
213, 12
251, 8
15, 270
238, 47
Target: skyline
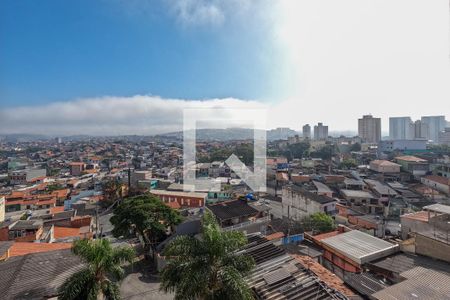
97, 67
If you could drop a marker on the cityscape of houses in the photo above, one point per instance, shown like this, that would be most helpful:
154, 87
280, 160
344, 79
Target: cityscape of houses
341, 218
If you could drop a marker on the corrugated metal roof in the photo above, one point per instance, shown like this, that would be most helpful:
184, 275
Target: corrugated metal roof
424, 284
440, 208
36, 276
359, 246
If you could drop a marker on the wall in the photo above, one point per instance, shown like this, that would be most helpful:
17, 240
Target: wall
445, 188
2, 209
297, 206
412, 225
432, 248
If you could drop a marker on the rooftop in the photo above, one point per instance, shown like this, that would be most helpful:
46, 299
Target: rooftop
380, 187
179, 194
438, 179
439, 208
359, 246
357, 194
410, 158
324, 274
24, 248
27, 224
38, 275
418, 216
420, 284
401, 262
312, 196
384, 163
279, 276
232, 209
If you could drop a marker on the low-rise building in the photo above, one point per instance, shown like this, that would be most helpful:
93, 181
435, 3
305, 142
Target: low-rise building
27, 176
384, 166
346, 252
241, 215
444, 136
388, 146
362, 201
77, 168
22, 231
414, 165
439, 183
184, 199
298, 203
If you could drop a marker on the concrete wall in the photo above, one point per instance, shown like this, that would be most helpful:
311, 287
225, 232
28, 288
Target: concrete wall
433, 248
297, 206
445, 188
411, 225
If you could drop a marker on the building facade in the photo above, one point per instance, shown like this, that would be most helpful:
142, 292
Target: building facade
444, 136
400, 128
401, 145
26, 176
369, 129
435, 125
320, 132
298, 203
306, 131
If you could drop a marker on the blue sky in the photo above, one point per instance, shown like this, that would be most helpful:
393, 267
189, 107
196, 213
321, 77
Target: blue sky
131, 66
63, 50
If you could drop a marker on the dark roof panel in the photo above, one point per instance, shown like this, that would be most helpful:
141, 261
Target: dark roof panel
232, 209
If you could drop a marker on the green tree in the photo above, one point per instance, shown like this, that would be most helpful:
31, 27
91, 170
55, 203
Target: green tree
103, 269
320, 222
145, 216
355, 147
325, 153
348, 163
299, 150
209, 267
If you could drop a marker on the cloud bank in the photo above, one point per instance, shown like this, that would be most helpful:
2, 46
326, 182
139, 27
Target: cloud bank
140, 114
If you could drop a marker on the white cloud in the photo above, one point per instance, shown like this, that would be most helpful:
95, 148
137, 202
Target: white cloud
142, 115
207, 12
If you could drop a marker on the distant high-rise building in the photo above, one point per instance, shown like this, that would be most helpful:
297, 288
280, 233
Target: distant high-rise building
369, 129
307, 131
401, 128
420, 130
444, 136
320, 132
435, 124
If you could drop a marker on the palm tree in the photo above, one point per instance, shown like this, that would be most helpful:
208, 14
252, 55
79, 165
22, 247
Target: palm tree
98, 279
209, 267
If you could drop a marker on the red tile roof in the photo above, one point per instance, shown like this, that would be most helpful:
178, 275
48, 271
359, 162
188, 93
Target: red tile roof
23, 248
275, 236
63, 232
438, 179
326, 276
56, 209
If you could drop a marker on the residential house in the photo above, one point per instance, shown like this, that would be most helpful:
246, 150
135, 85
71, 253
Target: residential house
384, 166
413, 165
241, 215
298, 203
439, 183
184, 199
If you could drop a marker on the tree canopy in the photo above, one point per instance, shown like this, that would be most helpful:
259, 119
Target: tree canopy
146, 216
209, 267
